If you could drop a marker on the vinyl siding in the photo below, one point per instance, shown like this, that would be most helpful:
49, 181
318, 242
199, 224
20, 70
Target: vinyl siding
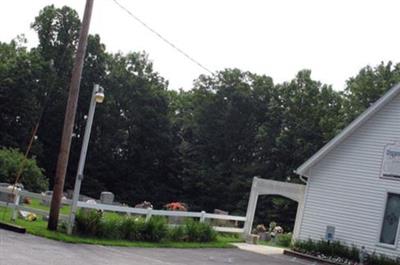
345, 189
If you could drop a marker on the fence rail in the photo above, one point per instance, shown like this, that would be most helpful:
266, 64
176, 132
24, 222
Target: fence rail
15, 206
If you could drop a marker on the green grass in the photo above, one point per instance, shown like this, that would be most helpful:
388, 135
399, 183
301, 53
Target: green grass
36, 203
39, 228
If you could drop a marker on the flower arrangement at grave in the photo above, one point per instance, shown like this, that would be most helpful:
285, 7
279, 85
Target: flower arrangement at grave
144, 205
176, 206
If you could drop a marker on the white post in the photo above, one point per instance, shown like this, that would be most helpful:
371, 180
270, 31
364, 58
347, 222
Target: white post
203, 216
148, 215
16, 203
81, 166
251, 208
299, 217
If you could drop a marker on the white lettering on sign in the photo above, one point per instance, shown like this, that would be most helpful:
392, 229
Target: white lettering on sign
391, 161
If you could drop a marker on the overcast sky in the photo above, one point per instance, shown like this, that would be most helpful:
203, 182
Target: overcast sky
277, 38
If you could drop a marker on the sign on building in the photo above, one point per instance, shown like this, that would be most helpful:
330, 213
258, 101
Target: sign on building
330, 233
391, 161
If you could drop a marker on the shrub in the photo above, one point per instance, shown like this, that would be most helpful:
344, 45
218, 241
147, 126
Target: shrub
284, 240
131, 228
89, 222
374, 259
32, 176
199, 232
177, 234
154, 230
92, 223
110, 228
334, 249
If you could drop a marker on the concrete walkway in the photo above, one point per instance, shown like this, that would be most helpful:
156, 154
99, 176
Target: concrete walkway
260, 249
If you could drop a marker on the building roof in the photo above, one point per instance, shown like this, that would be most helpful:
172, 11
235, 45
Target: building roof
346, 132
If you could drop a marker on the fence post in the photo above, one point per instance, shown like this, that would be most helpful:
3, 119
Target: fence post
16, 203
148, 215
203, 216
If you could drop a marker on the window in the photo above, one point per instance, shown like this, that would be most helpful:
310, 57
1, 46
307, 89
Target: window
390, 220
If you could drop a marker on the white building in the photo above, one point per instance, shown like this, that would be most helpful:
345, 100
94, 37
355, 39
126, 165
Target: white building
353, 182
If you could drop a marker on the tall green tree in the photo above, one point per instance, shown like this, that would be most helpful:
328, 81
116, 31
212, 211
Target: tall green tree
368, 86
20, 81
219, 147
58, 31
311, 112
131, 146
307, 116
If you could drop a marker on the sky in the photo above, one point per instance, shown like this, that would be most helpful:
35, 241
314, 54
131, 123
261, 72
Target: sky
333, 38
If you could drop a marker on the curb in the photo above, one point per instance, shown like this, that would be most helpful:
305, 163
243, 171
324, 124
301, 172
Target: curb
13, 228
308, 257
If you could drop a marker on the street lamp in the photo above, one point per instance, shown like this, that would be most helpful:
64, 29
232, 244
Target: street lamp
97, 97
100, 95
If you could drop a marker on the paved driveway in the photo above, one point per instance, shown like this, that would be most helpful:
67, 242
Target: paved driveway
27, 249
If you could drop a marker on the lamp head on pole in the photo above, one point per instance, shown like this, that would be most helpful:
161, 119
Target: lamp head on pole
100, 95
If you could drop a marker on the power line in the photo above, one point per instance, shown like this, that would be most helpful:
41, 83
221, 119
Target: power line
162, 37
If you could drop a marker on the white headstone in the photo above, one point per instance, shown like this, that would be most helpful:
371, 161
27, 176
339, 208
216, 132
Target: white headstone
107, 197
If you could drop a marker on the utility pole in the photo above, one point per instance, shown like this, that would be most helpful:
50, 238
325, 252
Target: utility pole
69, 119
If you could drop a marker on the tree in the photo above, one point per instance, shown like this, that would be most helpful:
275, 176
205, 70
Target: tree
20, 73
368, 86
12, 161
58, 32
131, 142
311, 114
218, 145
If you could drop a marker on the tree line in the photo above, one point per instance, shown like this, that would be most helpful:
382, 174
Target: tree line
201, 146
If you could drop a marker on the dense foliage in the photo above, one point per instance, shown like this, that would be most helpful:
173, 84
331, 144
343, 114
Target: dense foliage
12, 162
93, 223
201, 146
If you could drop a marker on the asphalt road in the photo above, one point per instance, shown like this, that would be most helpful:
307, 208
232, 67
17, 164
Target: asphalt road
27, 249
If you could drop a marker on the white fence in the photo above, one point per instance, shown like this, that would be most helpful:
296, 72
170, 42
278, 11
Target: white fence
16, 205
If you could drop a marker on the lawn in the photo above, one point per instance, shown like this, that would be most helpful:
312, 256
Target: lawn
35, 203
39, 228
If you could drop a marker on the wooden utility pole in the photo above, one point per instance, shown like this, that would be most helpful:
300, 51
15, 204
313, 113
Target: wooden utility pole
69, 119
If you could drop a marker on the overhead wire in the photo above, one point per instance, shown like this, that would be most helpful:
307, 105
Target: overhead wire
162, 37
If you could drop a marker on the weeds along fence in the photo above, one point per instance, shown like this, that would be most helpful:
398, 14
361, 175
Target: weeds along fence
13, 201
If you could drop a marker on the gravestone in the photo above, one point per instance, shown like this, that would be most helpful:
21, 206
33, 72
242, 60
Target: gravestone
4, 196
218, 211
106, 197
218, 222
46, 197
